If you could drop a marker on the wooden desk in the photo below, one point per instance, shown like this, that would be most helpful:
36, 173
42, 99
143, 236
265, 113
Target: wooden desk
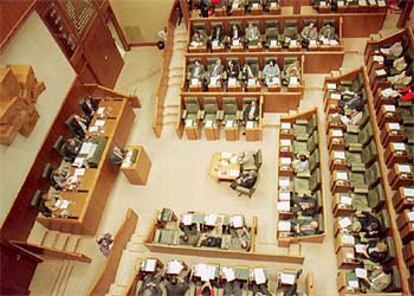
192, 130
336, 140
86, 181
212, 131
345, 258
95, 199
112, 109
253, 131
339, 185
232, 132
137, 173
77, 202
401, 175
337, 160
339, 207
391, 133
387, 113
223, 171
396, 153
403, 199
408, 254
405, 218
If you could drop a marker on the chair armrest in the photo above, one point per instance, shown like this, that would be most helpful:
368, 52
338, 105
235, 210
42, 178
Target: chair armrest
184, 114
201, 114
239, 115
260, 75
358, 167
302, 138
243, 190
220, 115
303, 175
356, 147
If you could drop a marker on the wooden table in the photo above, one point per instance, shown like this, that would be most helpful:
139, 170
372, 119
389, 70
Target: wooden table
396, 153
401, 175
86, 181
77, 202
224, 171
212, 130
403, 198
99, 187
138, 171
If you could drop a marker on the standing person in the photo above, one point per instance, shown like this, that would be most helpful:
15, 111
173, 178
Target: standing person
105, 241
162, 35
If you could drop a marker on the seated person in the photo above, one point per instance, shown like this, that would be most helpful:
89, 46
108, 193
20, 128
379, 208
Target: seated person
304, 206
59, 178
327, 33
190, 233
233, 71
397, 66
218, 36
400, 80
304, 227
176, 286
309, 32
290, 72
89, 106
216, 73
394, 51
252, 35
150, 285
241, 234
353, 118
205, 290
378, 279
288, 290
366, 223
237, 4
197, 73
236, 37
71, 148
301, 163
375, 250
246, 180
47, 204
251, 112
80, 125
208, 240
248, 75
233, 288
271, 73
350, 101
260, 289
198, 40
117, 156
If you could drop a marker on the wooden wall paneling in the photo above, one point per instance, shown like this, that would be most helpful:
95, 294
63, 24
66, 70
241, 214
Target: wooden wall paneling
13, 14
102, 54
14, 227
352, 24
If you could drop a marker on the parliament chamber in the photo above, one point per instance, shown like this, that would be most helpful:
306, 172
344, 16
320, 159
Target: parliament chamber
207, 147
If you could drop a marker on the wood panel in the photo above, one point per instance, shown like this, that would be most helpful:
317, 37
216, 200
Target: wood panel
13, 14
107, 275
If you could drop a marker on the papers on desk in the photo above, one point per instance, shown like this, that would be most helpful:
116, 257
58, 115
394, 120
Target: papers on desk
255, 5
86, 148
345, 222
333, 42
285, 160
284, 195
237, 221
381, 3
149, 265
78, 162
232, 81
325, 41
285, 143
380, 72
293, 81
408, 192
284, 182
187, 219
215, 43
331, 85
283, 206
398, 146
394, 126
226, 155
348, 239
388, 92
404, 168
361, 273
210, 220
209, 124
350, 255
236, 42
214, 80
389, 108
99, 122
378, 59
79, 172
312, 43
235, 5
273, 43
284, 225
273, 5
339, 154
293, 43
251, 82
337, 133
62, 204
353, 284
229, 123
274, 81
259, 276
188, 123
229, 274
359, 248
287, 278
410, 216
341, 3
342, 176
93, 129
194, 81
174, 267
100, 110
335, 96
205, 272
346, 200
286, 126
250, 124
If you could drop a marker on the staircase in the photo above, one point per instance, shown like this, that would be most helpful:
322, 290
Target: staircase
52, 275
175, 77
127, 266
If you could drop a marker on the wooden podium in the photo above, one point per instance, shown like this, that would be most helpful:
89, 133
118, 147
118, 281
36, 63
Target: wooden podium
137, 171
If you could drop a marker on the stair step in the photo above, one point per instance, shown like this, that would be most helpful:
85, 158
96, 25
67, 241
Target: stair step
37, 234
126, 267
72, 244
58, 281
169, 123
62, 241
65, 278
170, 106
170, 114
50, 238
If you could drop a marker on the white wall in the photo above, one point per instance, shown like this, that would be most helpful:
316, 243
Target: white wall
142, 19
35, 46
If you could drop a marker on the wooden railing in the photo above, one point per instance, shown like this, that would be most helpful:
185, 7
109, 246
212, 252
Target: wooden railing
157, 122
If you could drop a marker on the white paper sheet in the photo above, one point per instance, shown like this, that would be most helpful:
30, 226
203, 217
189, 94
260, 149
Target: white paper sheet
342, 176
339, 154
389, 108
361, 273
210, 219
346, 200
283, 206
409, 192
285, 160
284, 182
237, 221
100, 122
331, 86
403, 168
394, 126
259, 276
285, 143
86, 147
286, 126
337, 133
345, 222
284, 225
287, 278
175, 267
187, 219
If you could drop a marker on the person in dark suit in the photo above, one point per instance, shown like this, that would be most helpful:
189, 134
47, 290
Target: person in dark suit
176, 286
233, 69
207, 240
71, 148
79, 125
251, 112
89, 105
150, 285
218, 35
246, 180
260, 289
117, 156
232, 288
306, 206
368, 224
375, 251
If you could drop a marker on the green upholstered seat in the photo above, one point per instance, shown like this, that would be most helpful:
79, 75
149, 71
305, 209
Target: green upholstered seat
272, 33
366, 156
304, 128
231, 111
307, 147
406, 114
360, 202
376, 197
355, 141
314, 160
408, 132
362, 181
307, 186
192, 109
291, 29
210, 112
167, 236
